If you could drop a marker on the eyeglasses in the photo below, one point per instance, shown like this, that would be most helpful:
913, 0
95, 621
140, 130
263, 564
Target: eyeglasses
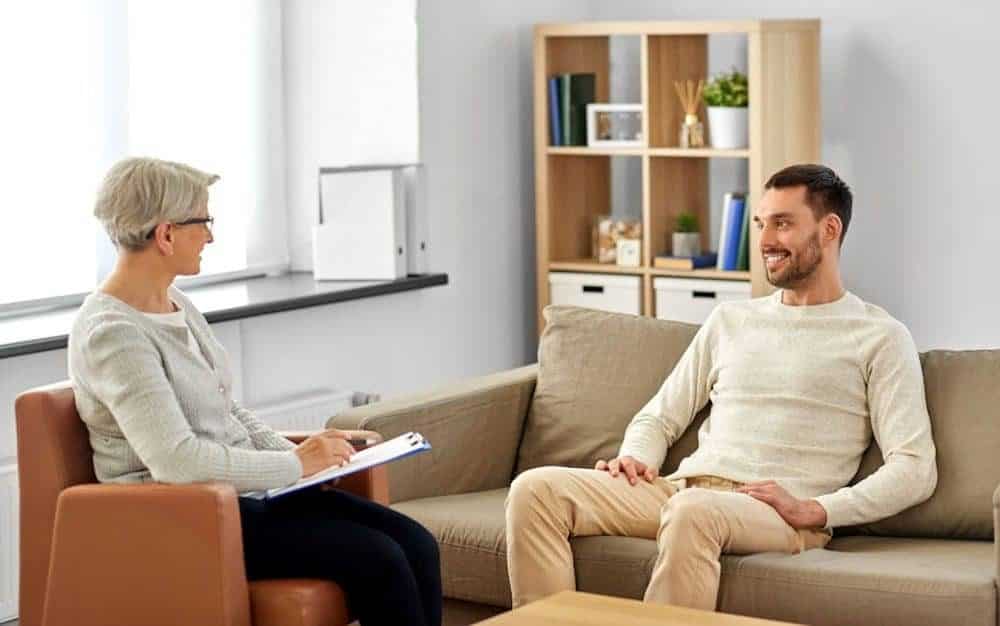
207, 221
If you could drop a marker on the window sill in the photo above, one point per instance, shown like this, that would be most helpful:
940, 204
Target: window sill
221, 302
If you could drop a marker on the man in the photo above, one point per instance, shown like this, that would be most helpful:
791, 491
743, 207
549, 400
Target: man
799, 381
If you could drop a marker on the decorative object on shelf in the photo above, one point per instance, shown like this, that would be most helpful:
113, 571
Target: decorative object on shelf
629, 252
709, 259
727, 98
692, 133
686, 237
607, 231
614, 125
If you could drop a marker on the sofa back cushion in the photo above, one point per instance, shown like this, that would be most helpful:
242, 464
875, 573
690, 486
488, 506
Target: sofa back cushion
963, 399
595, 371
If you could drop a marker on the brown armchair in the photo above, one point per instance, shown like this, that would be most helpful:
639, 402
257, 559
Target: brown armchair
142, 554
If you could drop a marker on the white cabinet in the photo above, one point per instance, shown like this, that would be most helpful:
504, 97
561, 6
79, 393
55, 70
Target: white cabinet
607, 292
691, 300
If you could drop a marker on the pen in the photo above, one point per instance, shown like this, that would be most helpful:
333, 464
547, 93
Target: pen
361, 443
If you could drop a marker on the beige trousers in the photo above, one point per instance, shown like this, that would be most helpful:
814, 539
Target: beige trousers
694, 521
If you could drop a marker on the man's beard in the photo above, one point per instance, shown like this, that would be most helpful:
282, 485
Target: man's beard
801, 265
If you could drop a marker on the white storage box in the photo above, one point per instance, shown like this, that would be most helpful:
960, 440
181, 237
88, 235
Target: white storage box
691, 300
606, 292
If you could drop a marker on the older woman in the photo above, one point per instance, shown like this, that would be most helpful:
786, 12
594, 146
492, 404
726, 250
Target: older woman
154, 388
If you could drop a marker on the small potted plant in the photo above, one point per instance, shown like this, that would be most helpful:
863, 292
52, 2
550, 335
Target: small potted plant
727, 97
686, 238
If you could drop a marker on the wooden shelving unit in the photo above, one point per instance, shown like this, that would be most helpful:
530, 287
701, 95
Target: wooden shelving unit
572, 184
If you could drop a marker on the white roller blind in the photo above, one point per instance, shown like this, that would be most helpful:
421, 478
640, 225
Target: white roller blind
89, 82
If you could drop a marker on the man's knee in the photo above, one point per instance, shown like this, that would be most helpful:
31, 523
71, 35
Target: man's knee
533, 486
698, 508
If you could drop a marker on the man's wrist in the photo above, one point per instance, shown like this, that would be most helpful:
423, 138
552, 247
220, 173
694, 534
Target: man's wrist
814, 514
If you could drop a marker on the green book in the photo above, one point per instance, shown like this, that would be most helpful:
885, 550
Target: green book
743, 256
564, 81
578, 90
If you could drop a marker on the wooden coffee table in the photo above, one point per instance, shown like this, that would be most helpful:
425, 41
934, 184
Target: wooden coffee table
573, 608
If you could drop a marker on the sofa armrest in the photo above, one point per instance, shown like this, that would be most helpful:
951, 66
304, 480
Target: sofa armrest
474, 427
152, 553
996, 532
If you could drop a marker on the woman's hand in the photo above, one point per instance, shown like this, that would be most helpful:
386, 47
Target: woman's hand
323, 450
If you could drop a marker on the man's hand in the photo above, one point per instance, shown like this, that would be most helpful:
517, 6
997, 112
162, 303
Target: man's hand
632, 469
798, 513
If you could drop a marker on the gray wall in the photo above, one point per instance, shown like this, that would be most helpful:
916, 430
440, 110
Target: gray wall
909, 121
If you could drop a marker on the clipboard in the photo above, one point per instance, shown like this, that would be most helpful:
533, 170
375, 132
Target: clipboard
396, 448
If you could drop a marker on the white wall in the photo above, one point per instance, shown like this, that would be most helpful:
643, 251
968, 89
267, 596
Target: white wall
909, 121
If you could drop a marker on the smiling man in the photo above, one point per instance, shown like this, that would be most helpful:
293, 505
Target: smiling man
799, 383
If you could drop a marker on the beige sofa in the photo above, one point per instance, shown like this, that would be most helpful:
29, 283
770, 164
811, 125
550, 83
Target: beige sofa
933, 564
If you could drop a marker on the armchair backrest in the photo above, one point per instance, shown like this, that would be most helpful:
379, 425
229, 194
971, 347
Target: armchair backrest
53, 453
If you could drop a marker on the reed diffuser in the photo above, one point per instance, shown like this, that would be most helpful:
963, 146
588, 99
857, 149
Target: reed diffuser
692, 133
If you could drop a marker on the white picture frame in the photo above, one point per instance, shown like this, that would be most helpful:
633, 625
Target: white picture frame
634, 137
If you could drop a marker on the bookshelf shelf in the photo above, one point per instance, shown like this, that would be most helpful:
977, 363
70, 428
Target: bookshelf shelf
573, 184
709, 274
585, 151
593, 267
700, 153
705, 153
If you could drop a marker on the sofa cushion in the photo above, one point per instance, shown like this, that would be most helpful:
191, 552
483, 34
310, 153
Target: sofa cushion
855, 580
596, 370
469, 528
963, 398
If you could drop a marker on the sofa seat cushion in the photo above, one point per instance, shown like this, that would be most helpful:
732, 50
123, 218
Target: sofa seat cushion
469, 528
855, 580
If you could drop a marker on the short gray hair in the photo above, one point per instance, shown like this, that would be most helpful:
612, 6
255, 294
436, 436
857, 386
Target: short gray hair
138, 193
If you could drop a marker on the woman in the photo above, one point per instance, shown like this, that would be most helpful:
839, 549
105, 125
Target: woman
154, 388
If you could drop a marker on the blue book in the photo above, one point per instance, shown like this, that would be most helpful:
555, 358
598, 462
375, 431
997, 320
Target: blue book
555, 112
730, 256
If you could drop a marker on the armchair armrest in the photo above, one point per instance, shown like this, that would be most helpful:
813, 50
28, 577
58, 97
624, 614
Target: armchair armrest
996, 532
143, 554
474, 427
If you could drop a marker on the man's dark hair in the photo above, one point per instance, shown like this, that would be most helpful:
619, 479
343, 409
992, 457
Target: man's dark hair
825, 192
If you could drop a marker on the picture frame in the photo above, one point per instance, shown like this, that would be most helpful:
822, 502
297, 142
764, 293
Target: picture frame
614, 126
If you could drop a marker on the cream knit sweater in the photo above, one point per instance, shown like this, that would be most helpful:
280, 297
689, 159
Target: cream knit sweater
797, 393
156, 410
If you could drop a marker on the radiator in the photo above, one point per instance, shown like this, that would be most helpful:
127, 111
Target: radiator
8, 542
306, 411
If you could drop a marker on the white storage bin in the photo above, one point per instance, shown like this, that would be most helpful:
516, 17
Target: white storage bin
691, 300
606, 292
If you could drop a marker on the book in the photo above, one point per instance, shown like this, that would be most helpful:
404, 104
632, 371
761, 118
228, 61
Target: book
743, 254
727, 200
555, 113
709, 259
564, 81
396, 448
578, 90
733, 234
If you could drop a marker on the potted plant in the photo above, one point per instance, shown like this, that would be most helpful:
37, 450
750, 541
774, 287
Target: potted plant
727, 97
686, 238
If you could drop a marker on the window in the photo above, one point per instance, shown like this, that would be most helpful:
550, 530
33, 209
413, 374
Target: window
89, 82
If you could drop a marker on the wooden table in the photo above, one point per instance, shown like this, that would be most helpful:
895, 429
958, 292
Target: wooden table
573, 608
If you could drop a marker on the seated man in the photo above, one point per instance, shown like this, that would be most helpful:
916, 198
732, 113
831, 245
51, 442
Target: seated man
799, 381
